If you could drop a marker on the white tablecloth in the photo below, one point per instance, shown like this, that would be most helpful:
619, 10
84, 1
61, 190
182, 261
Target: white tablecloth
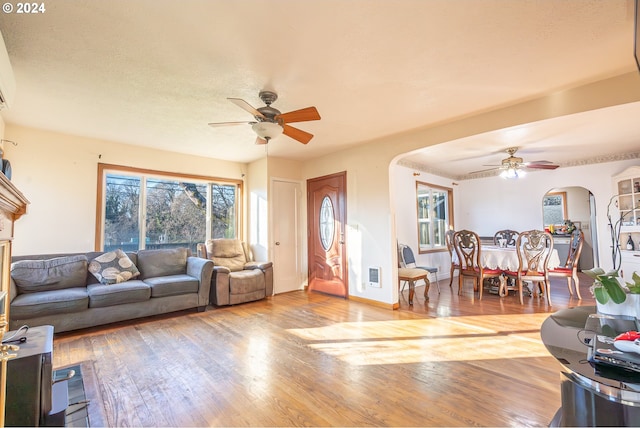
494, 257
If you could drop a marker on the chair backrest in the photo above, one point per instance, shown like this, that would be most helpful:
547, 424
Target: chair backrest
231, 253
448, 239
467, 247
534, 248
510, 235
575, 249
408, 257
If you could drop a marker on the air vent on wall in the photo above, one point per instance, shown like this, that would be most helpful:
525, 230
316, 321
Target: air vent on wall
374, 277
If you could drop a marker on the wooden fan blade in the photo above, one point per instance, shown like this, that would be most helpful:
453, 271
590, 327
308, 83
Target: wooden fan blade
297, 134
246, 106
261, 141
541, 166
302, 115
215, 124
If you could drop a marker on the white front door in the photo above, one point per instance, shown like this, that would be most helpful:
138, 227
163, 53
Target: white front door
286, 244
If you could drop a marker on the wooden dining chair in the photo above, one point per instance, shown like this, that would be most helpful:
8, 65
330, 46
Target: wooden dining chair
468, 249
533, 248
508, 234
448, 239
570, 268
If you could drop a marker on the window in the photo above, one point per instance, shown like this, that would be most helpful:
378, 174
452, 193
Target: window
435, 216
149, 209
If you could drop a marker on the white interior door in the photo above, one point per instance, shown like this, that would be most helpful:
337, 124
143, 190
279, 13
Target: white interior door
286, 243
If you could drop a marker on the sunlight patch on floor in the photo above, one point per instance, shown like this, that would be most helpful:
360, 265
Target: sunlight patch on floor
430, 340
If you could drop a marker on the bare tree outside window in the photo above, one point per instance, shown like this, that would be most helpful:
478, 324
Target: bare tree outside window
121, 226
175, 212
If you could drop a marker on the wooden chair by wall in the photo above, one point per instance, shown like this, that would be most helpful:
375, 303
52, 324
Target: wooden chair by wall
570, 268
408, 260
468, 249
534, 248
448, 239
508, 234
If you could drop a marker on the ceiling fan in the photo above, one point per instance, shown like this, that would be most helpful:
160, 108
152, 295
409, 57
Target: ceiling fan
514, 167
269, 122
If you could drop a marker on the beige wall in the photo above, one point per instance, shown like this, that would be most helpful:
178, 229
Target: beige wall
371, 217
58, 174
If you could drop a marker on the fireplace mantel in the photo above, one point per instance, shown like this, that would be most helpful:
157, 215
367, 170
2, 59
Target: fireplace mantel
13, 205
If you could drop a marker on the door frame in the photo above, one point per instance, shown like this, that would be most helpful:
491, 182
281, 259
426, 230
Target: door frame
310, 251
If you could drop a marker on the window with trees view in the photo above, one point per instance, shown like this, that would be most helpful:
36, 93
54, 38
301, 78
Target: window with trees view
146, 209
435, 215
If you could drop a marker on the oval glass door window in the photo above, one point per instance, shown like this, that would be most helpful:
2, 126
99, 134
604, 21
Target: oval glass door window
327, 223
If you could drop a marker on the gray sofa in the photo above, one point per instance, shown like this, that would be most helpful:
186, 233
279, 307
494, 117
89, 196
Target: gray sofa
59, 290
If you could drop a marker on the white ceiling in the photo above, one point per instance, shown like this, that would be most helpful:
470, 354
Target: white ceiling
155, 72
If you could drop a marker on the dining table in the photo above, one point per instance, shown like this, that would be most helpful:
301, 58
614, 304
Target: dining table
506, 258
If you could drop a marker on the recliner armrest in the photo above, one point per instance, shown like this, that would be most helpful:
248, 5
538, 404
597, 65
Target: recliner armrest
258, 265
201, 269
221, 269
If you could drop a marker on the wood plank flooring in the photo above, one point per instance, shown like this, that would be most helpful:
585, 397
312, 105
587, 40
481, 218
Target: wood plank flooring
307, 359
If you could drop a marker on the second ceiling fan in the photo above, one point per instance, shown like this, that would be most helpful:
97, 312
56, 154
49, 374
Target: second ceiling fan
269, 122
513, 166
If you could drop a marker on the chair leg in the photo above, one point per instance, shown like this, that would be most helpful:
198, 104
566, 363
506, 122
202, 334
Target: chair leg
451, 276
569, 285
520, 291
437, 283
576, 282
547, 285
480, 287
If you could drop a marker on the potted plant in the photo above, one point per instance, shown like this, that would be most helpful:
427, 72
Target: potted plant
614, 298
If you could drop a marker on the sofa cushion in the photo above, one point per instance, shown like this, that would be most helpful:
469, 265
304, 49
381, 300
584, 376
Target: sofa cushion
227, 252
154, 263
31, 305
246, 281
57, 273
172, 285
113, 267
101, 295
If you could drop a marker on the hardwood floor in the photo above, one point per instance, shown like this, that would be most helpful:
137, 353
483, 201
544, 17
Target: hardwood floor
307, 359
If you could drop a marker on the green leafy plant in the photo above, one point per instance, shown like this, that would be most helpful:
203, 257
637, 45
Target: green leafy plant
607, 287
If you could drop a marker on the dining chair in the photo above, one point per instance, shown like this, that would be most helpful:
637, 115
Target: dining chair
468, 248
448, 239
408, 260
570, 268
508, 234
533, 248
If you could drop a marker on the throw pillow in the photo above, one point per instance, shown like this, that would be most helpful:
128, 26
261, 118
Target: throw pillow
113, 267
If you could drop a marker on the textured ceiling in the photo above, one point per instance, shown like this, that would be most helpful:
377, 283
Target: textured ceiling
155, 72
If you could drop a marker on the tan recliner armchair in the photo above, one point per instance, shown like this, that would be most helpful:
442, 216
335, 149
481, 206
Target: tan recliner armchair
236, 277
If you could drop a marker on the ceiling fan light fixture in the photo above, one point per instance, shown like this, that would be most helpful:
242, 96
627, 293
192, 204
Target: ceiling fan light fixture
267, 130
513, 172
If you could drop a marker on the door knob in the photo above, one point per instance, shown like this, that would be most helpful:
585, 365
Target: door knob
277, 243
